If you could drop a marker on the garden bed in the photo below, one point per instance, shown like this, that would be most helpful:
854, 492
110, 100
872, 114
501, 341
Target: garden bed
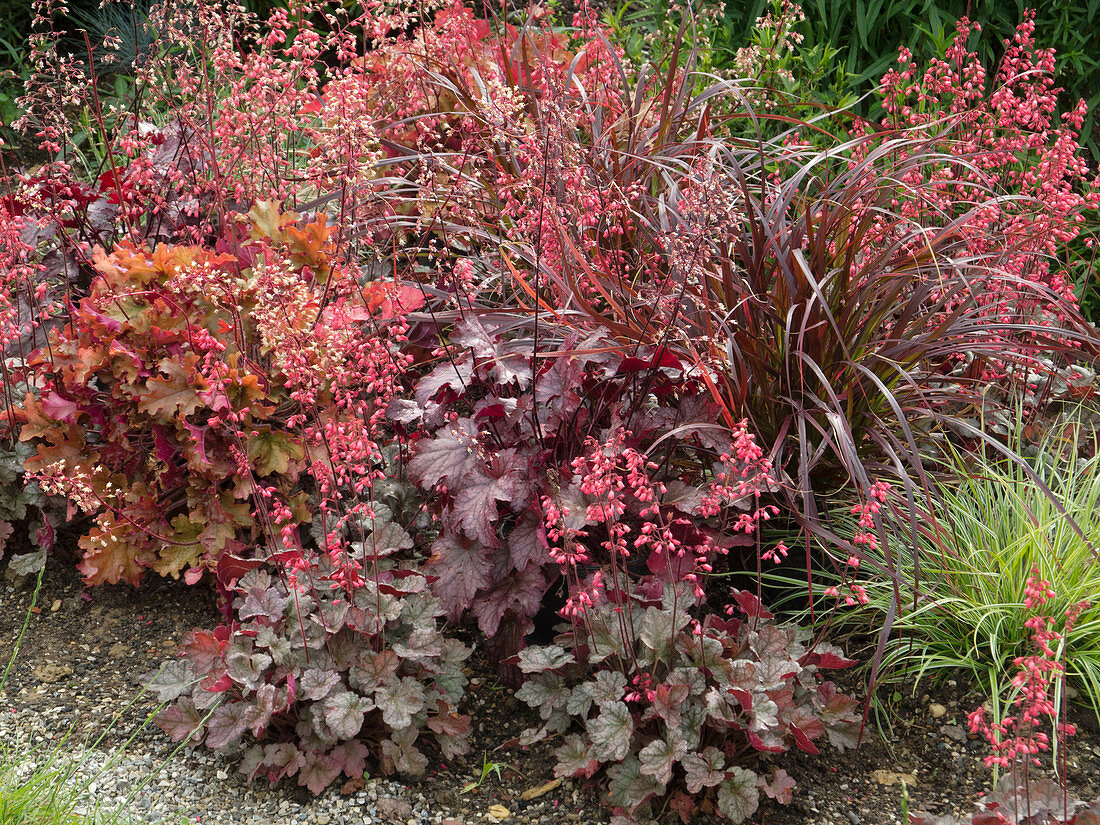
85, 651
403, 329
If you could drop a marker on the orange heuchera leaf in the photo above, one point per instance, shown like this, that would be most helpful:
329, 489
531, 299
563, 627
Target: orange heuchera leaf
177, 392
110, 556
127, 265
36, 421
309, 245
183, 550
268, 221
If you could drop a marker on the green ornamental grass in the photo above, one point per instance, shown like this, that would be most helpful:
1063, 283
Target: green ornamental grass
963, 611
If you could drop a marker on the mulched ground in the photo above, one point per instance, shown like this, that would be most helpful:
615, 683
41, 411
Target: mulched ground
85, 651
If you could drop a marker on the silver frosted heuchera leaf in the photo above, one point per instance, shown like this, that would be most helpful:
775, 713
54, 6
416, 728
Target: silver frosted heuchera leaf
344, 711
399, 700
629, 787
611, 732
26, 564
244, 666
424, 643
703, 770
262, 602
386, 538
738, 796
659, 756
278, 647
172, 680
538, 658
580, 700
403, 753
608, 687
544, 691
574, 758
316, 684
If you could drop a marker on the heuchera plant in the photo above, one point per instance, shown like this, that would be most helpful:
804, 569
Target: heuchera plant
1006, 136
610, 284
496, 439
1018, 739
319, 679
674, 700
192, 389
675, 709
143, 398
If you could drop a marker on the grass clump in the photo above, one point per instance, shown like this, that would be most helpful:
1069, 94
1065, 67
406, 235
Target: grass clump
965, 560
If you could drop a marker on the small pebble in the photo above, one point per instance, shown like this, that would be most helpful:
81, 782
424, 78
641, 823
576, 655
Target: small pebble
954, 732
937, 711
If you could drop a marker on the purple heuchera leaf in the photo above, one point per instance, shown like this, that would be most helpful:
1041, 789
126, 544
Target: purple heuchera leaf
352, 757
486, 346
462, 568
181, 720
404, 411
319, 771
448, 456
527, 544
263, 708
521, 591
275, 761
475, 506
455, 376
780, 787
750, 605
228, 721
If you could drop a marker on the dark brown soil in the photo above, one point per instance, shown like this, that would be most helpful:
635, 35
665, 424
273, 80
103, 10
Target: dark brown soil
85, 651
